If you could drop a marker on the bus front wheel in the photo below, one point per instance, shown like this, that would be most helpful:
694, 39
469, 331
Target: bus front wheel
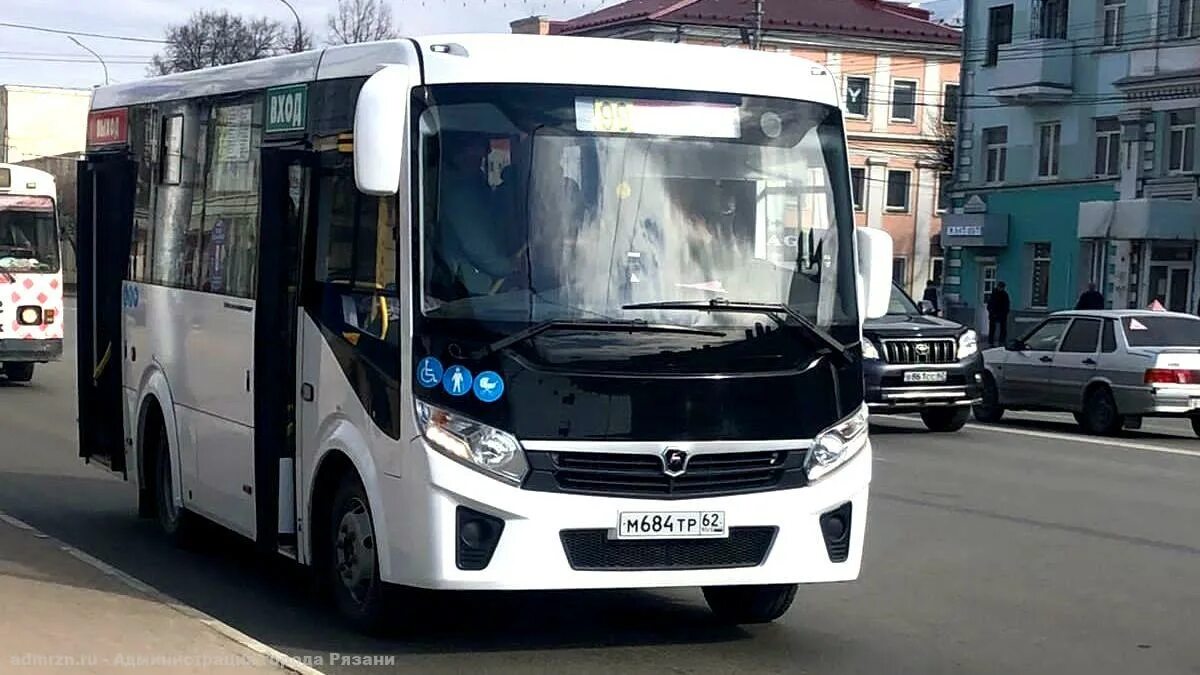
18, 372
352, 566
749, 604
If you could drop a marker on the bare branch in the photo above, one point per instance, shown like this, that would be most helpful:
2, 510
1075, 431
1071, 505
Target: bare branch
216, 38
357, 21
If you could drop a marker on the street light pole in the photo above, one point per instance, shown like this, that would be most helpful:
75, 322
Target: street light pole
299, 27
89, 50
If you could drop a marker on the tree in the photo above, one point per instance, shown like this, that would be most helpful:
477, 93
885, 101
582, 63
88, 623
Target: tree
361, 21
217, 38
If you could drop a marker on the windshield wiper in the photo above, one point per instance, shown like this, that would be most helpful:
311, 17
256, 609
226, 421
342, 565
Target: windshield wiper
771, 308
611, 326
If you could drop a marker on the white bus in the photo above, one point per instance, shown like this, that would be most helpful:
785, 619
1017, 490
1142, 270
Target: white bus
31, 283
488, 312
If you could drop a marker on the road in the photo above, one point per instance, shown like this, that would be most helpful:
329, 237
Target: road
1019, 548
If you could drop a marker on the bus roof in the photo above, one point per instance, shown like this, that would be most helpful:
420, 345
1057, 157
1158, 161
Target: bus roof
23, 180
502, 58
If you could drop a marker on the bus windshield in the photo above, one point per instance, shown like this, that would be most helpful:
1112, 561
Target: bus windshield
28, 236
545, 203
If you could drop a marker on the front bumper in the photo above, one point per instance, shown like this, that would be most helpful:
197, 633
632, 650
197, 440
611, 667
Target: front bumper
423, 504
886, 391
25, 351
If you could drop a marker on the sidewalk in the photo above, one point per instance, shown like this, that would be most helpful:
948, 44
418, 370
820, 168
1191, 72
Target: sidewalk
60, 614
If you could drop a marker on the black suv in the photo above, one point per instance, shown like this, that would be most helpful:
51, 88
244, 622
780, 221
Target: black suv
915, 362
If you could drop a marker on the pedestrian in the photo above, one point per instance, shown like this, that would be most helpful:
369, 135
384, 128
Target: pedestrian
931, 295
998, 305
1090, 299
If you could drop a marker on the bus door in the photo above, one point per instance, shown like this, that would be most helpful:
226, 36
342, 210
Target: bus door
285, 176
105, 201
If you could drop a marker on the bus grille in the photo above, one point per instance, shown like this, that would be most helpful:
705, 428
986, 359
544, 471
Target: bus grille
909, 352
593, 550
642, 476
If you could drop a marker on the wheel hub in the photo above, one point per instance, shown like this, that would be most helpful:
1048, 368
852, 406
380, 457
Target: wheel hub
354, 549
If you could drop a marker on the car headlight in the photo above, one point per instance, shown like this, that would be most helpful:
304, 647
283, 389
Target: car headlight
870, 353
837, 445
479, 446
968, 344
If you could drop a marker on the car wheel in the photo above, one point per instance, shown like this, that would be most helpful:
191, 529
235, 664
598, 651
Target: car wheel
1196, 425
749, 604
18, 372
353, 560
1100, 415
943, 420
990, 409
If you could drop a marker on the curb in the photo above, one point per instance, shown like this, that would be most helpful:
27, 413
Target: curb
273, 655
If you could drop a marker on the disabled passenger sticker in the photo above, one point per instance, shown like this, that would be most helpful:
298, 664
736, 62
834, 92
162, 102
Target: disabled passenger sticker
489, 386
429, 372
457, 380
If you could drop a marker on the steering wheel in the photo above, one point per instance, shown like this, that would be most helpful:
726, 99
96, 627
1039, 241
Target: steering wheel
513, 275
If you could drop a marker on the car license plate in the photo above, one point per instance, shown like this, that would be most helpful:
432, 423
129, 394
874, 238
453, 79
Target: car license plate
925, 376
672, 525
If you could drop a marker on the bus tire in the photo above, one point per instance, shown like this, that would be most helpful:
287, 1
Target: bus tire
749, 604
18, 372
352, 564
174, 519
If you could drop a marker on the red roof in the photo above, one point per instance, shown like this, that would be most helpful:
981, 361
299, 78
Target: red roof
858, 18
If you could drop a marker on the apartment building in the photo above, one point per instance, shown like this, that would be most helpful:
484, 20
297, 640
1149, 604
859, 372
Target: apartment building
1077, 157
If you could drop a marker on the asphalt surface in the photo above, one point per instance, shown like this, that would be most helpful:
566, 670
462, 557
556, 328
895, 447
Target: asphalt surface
1018, 548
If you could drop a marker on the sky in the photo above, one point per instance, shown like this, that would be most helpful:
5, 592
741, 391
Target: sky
41, 58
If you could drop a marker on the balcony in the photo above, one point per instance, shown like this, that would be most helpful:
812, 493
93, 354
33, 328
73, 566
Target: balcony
1033, 72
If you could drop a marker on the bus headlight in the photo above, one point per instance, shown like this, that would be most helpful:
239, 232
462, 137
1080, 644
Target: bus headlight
968, 344
837, 445
479, 446
870, 353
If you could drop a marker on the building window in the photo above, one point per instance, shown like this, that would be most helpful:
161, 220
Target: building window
858, 187
897, 190
943, 191
900, 270
950, 103
1000, 27
1108, 146
1114, 22
1181, 141
995, 148
1051, 19
1039, 280
858, 95
904, 100
1050, 136
937, 267
1186, 19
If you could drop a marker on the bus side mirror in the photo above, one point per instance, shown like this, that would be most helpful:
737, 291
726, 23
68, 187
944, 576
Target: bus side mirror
874, 271
380, 126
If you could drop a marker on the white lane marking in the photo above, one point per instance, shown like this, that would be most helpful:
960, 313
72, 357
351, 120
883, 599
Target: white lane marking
1087, 440
270, 653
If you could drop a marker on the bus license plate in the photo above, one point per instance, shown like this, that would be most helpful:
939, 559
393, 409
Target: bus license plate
925, 376
674, 525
